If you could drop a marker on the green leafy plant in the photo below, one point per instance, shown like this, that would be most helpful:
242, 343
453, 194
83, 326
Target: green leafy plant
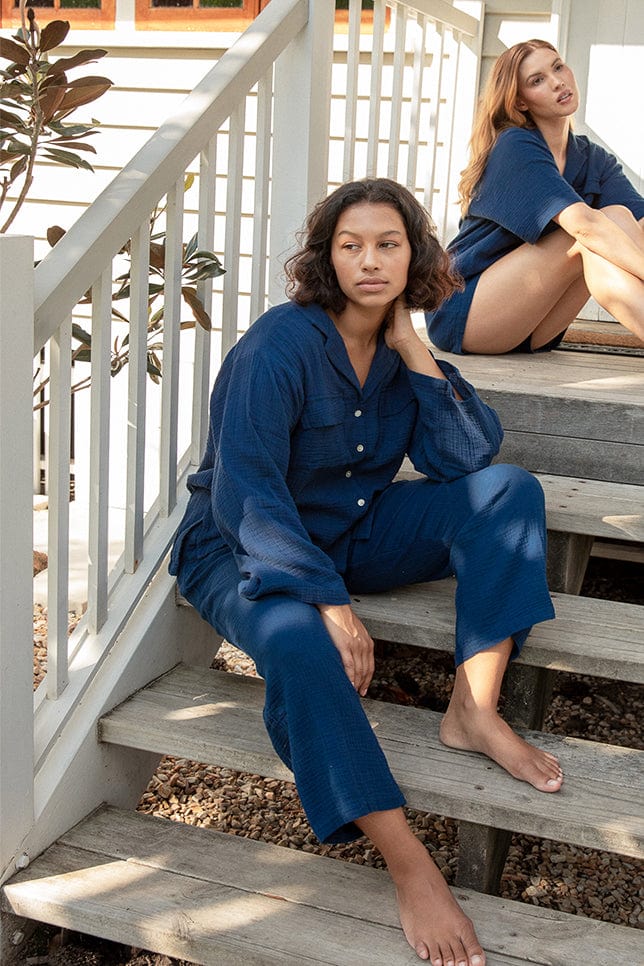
36, 98
197, 265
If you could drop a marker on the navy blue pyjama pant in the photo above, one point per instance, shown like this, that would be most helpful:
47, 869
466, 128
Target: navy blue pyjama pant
487, 528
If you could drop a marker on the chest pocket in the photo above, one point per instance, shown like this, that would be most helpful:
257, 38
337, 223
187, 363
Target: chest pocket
319, 437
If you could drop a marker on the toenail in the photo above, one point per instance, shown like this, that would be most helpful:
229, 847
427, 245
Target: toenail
553, 781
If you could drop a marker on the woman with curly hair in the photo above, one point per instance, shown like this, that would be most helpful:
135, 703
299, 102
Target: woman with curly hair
295, 507
549, 218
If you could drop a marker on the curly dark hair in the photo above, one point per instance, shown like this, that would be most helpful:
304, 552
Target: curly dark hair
310, 274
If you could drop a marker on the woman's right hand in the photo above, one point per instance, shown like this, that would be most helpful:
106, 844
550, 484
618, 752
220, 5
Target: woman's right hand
352, 640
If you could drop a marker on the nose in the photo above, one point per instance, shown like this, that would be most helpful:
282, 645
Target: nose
370, 258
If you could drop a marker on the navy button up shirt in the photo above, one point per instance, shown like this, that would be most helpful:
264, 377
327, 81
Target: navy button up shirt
298, 451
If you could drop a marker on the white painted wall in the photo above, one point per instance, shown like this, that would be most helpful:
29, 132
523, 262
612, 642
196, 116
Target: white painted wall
606, 51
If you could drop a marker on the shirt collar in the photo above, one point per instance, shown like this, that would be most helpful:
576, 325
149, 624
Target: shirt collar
385, 362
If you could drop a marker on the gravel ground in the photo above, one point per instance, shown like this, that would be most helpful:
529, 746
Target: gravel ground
545, 873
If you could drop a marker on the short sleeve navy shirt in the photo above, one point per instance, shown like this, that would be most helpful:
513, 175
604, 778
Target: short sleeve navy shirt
521, 191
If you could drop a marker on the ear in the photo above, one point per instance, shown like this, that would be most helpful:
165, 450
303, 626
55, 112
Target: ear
520, 104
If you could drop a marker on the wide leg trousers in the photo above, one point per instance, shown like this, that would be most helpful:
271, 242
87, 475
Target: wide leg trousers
487, 528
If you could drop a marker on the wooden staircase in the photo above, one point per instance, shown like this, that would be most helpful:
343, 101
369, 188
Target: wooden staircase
213, 899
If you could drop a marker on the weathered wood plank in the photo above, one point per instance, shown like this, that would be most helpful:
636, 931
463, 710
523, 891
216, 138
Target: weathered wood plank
564, 412
546, 452
215, 898
574, 504
216, 717
589, 636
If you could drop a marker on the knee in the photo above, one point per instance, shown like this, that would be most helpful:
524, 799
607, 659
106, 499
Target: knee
513, 489
623, 217
296, 649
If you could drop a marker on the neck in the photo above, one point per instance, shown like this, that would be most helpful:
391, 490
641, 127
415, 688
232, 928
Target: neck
555, 135
359, 328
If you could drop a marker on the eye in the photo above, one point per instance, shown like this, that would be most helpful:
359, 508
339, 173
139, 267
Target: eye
389, 244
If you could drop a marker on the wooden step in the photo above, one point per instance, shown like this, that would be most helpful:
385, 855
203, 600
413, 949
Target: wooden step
597, 508
222, 900
602, 638
567, 413
216, 717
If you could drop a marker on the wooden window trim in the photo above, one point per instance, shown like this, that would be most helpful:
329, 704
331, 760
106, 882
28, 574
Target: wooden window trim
187, 18
88, 19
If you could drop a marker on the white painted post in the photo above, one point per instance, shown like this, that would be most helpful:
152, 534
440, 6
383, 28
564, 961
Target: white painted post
300, 135
16, 546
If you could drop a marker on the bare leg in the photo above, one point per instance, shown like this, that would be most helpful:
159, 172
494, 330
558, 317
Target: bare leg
435, 925
538, 290
472, 722
619, 292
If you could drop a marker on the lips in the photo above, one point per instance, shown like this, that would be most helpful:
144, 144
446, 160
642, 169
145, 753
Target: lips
565, 97
372, 284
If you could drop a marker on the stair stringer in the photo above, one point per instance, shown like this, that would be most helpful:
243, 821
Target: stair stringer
78, 772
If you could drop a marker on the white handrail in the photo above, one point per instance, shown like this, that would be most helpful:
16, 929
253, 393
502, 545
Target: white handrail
76, 261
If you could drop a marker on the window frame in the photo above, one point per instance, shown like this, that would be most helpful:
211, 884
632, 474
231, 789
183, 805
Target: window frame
88, 18
147, 17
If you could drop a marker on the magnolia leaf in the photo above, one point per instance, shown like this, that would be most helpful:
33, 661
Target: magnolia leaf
50, 100
196, 307
69, 130
13, 52
83, 91
119, 315
157, 255
83, 355
82, 57
188, 182
80, 334
53, 34
203, 271
76, 145
54, 234
10, 155
11, 120
66, 157
191, 248
17, 169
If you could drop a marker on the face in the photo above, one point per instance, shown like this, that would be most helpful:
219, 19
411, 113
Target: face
370, 253
547, 86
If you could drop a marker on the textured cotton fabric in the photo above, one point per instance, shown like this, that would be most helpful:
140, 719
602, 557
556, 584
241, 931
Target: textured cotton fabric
294, 504
521, 191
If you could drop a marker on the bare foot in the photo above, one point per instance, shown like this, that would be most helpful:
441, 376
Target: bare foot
434, 924
487, 732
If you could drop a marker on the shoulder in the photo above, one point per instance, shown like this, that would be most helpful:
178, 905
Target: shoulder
281, 341
518, 140
283, 327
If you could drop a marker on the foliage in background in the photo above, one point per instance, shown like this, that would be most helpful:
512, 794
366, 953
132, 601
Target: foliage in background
197, 265
36, 97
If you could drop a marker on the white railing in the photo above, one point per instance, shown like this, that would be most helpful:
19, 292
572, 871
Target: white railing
254, 137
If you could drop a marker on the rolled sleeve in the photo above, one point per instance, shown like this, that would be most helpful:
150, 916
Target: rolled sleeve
452, 437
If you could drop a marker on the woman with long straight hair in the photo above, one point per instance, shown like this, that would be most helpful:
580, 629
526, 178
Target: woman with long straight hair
548, 218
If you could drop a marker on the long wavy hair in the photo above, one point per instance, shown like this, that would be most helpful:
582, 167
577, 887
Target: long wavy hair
497, 110
310, 273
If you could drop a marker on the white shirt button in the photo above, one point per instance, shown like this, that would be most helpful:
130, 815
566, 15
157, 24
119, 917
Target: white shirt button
361, 502
360, 448
348, 474
358, 412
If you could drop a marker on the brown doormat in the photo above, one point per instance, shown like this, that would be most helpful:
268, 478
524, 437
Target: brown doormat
585, 334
